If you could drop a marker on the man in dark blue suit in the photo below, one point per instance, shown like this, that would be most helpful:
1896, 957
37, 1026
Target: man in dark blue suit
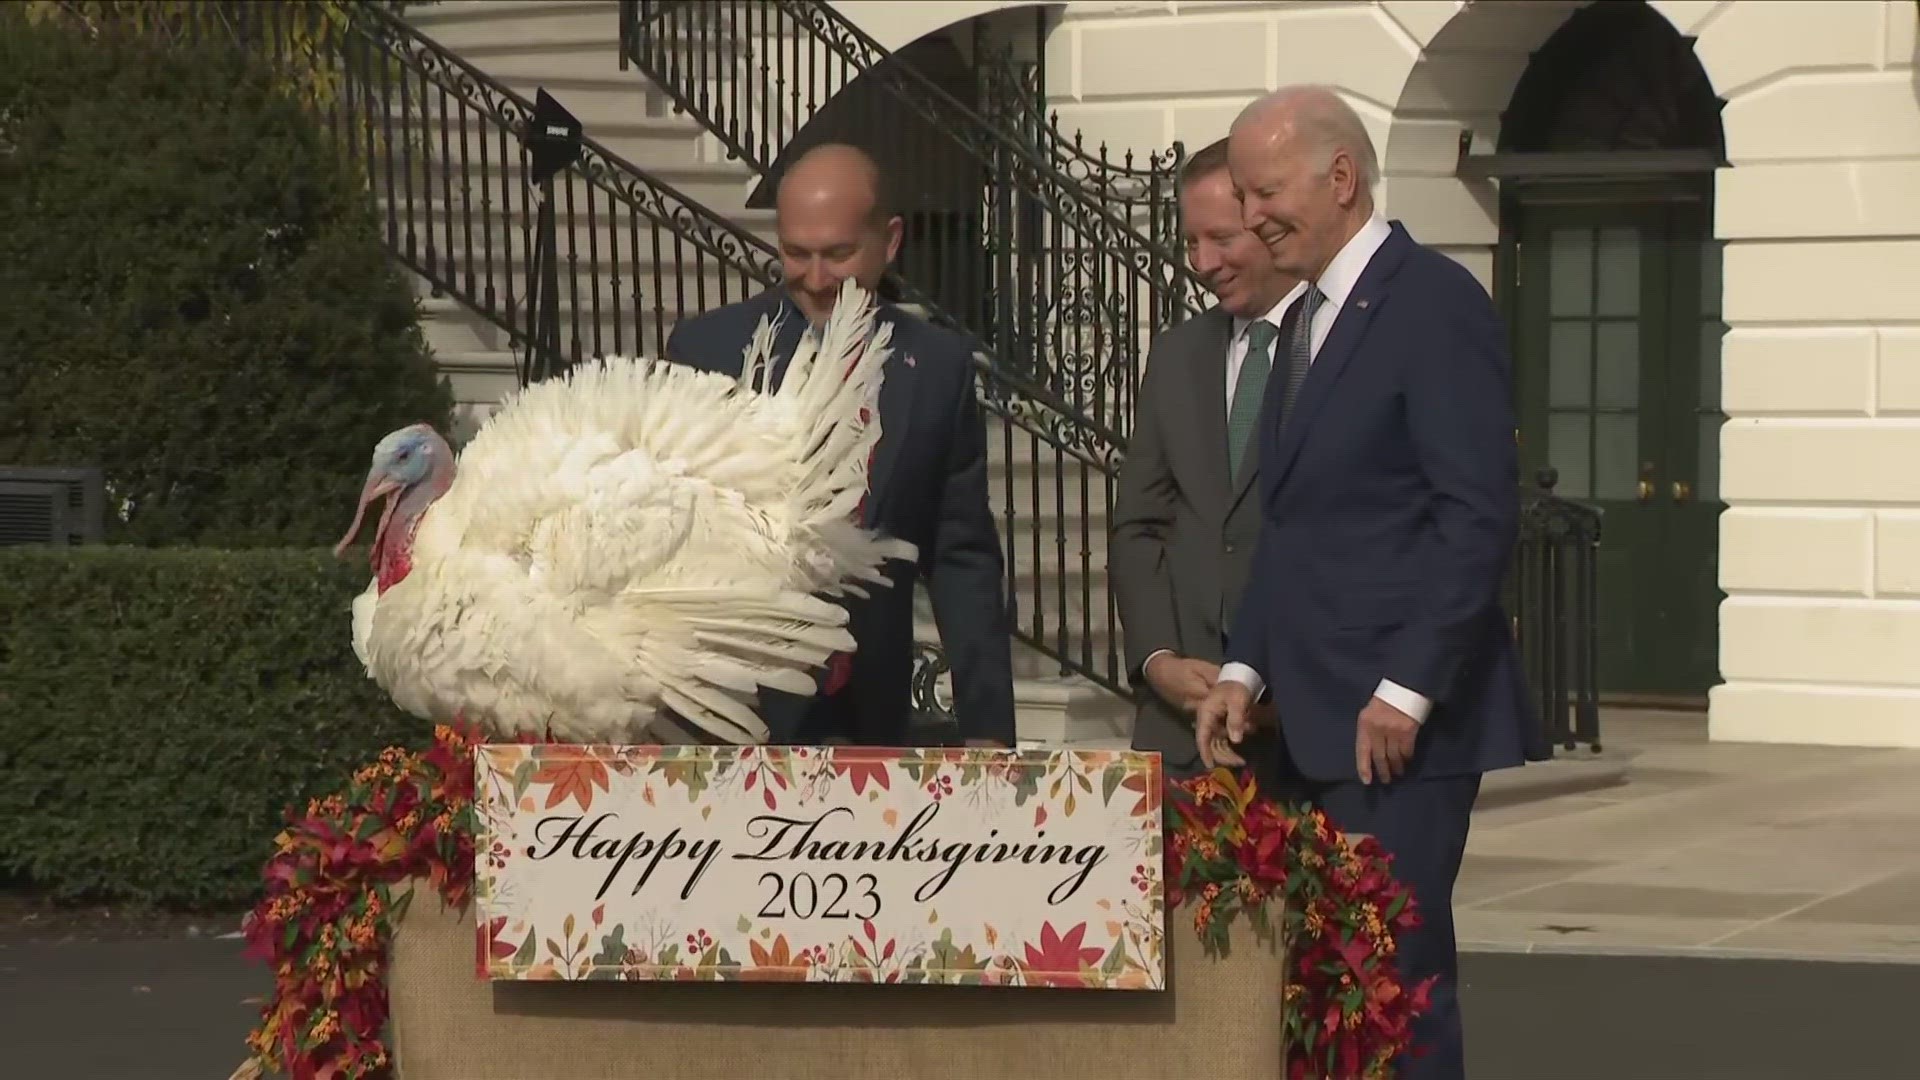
928, 480
1389, 491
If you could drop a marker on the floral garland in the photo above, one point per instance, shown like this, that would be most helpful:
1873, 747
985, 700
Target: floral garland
1349, 1016
326, 920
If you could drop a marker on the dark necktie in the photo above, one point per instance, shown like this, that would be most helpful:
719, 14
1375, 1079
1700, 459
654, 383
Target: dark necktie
1297, 330
1251, 385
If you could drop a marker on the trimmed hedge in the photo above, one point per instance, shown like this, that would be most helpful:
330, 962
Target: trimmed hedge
198, 297
160, 709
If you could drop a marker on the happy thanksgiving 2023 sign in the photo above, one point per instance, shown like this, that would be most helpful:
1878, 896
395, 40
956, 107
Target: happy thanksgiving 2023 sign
820, 864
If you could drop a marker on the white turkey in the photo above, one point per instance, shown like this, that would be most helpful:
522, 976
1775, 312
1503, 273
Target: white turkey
634, 543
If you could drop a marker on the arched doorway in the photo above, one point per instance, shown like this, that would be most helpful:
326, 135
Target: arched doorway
1610, 277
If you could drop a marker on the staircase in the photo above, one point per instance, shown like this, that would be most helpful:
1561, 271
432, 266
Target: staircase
1051, 485
1061, 263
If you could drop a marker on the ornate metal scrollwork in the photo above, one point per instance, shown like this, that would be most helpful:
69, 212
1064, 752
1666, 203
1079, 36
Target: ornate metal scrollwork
1013, 92
931, 697
617, 177
1034, 175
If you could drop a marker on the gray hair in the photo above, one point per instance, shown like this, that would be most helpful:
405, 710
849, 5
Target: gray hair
1325, 124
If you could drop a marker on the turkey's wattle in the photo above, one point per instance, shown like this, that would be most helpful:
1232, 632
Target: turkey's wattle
411, 469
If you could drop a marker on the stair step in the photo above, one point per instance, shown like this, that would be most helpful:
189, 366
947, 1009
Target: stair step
462, 25
647, 141
718, 186
611, 228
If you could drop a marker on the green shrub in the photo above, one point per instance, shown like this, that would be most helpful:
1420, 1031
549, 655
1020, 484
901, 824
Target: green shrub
199, 300
159, 710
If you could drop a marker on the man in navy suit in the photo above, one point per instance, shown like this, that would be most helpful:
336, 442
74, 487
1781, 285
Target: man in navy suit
928, 480
1389, 491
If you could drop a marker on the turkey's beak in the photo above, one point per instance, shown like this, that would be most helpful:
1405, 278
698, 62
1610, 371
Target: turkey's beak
378, 484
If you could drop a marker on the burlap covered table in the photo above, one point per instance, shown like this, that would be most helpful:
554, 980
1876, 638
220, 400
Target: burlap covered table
449, 1025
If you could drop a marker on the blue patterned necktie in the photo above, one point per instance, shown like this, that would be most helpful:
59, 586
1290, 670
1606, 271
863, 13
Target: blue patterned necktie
1248, 389
1298, 329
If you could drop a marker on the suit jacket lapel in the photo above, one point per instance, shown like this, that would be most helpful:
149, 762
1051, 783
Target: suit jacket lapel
1209, 406
1349, 327
896, 408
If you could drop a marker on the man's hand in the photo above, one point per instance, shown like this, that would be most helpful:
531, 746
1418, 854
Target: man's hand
1181, 681
1383, 741
1222, 719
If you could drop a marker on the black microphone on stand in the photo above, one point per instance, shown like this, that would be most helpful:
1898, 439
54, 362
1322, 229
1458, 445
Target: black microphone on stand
552, 142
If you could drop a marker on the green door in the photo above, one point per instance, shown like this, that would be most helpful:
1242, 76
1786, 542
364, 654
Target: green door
1617, 331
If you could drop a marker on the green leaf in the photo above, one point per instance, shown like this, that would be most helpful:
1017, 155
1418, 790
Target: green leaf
523, 776
745, 925
1110, 783
613, 948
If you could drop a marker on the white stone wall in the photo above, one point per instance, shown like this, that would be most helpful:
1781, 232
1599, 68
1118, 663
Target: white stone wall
1820, 215
1820, 549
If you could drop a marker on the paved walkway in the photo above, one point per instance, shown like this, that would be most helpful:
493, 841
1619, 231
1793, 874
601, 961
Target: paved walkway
1706, 849
178, 1008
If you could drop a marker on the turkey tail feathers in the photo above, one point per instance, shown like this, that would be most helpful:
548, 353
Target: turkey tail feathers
641, 537
834, 386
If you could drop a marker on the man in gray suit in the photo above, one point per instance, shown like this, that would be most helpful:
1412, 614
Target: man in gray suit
1186, 513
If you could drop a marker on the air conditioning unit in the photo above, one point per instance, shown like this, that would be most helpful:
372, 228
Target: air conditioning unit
57, 506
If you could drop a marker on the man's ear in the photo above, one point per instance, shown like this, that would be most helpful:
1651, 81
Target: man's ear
896, 229
1345, 177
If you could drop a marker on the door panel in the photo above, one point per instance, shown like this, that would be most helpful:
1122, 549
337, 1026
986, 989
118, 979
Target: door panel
1614, 395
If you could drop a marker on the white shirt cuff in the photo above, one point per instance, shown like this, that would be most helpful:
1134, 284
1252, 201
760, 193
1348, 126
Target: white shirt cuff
1246, 677
1149, 659
1414, 705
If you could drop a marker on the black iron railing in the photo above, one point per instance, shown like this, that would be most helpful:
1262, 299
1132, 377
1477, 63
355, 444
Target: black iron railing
1553, 596
1062, 263
442, 147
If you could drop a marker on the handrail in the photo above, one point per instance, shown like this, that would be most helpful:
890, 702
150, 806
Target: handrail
1058, 252
598, 165
937, 106
1553, 593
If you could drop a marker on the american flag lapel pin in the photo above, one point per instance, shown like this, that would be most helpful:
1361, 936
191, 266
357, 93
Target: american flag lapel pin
910, 360
1361, 304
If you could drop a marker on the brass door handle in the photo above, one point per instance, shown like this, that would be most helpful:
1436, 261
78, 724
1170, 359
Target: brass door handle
1646, 490
1682, 491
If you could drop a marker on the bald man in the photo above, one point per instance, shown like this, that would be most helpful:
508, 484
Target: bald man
928, 481
1389, 486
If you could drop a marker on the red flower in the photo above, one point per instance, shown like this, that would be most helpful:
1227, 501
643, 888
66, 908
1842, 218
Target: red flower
1227, 850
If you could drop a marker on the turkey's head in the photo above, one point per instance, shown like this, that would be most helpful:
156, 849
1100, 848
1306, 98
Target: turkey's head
411, 468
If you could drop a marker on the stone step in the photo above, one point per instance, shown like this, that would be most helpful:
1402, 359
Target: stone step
720, 187
617, 232
486, 28
481, 377
464, 25
646, 141
451, 328
460, 330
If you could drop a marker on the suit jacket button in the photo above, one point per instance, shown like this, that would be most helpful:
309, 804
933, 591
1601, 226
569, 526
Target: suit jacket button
1229, 549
